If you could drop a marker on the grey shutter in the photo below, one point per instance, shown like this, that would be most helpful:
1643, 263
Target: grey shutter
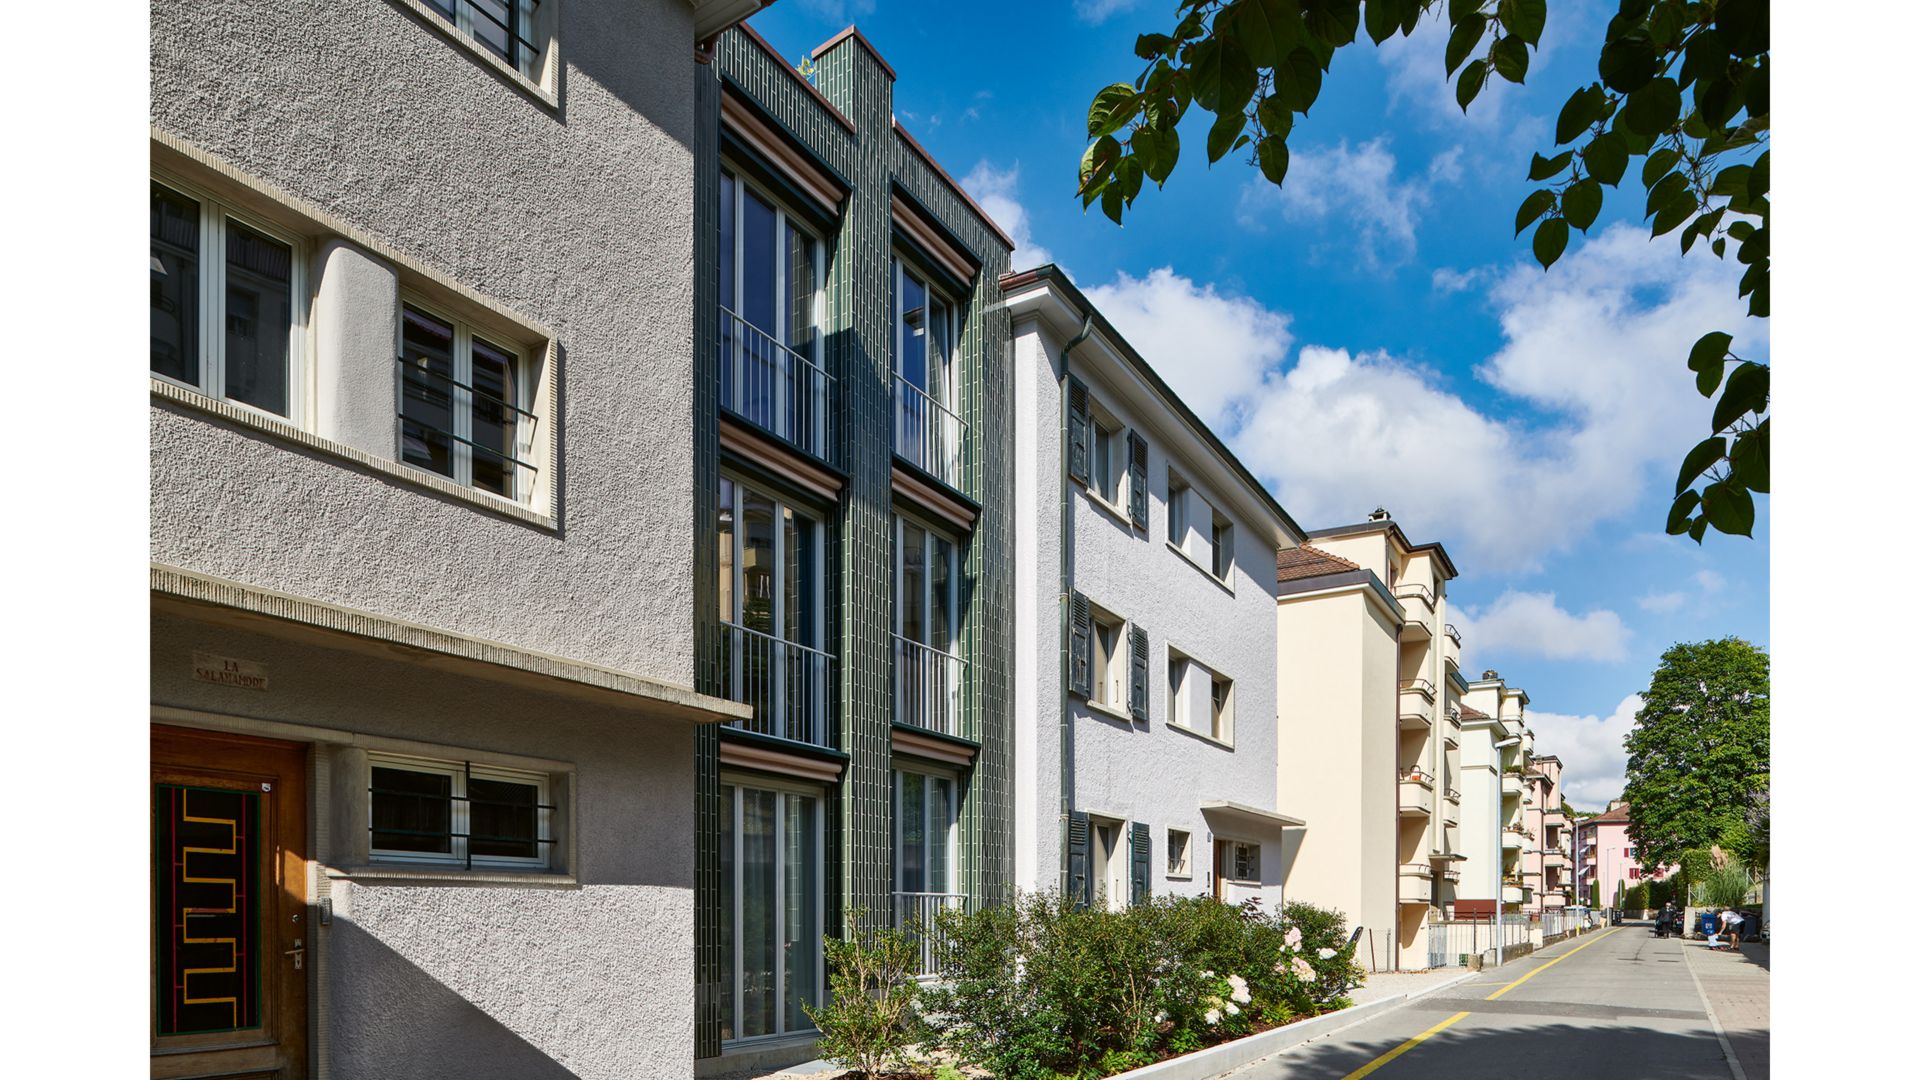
1142, 862
1079, 429
1137, 653
1080, 647
1137, 480
1079, 860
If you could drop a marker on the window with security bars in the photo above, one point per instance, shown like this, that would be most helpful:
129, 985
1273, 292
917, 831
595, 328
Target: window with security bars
1246, 862
509, 29
463, 398
458, 813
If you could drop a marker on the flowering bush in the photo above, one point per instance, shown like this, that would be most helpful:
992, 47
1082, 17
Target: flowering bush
1041, 989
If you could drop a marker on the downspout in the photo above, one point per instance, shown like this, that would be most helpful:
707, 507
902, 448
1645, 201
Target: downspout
1066, 602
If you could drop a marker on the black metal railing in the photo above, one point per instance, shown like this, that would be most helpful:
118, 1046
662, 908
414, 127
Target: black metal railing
773, 386
789, 685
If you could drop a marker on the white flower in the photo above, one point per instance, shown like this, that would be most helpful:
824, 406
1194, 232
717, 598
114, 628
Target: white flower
1240, 992
1160, 1017
1232, 1009
1213, 1016
1328, 954
1206, 974
1293, 937
1303, 970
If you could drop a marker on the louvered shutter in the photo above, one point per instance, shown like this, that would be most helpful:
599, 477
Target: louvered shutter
1079, 429
1142, 862
1079, 860
1137, 480
1137, 691
1080, 647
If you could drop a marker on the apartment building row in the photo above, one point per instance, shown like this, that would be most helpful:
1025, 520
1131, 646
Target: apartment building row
616, 516
1605, 860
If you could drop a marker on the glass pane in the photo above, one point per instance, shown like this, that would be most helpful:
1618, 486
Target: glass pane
426, 391
727, 601
940, 353
728, 1029
206, 930
912, 364
940, 821
504, 819
176, 286
802, 286
495, 423
758, 262
728, 266
911, 856
759, 900
412, 811
913, 582
756, 559
801, 582
491, 20
942, 622
801, 890
259, 317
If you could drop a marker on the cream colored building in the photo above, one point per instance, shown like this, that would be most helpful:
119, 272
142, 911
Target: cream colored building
1370, 691
1495, 747
1546, 863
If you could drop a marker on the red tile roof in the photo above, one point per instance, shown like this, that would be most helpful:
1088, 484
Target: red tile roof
1308, 561
1468, 712
1619, 815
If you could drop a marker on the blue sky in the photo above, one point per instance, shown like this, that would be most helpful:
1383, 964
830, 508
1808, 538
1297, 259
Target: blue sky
1373, 334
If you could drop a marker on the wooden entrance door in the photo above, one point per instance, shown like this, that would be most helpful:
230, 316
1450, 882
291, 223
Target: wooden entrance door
228, 904
1219, 869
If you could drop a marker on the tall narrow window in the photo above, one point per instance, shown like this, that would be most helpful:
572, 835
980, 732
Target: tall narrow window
770, 300
771, 573
1222, 546
928, 670
771, 904
226, 303
1176, 510
928, 431
462, 404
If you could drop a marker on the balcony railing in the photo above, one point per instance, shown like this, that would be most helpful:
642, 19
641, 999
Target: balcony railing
918, 913
1454, 633
1417, 686
790, 686
774, 387
927, 686
928, 434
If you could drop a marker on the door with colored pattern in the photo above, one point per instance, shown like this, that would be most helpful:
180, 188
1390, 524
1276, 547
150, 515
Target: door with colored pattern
228, 906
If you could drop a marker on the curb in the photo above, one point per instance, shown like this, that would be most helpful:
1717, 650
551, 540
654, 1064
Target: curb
1217, 1060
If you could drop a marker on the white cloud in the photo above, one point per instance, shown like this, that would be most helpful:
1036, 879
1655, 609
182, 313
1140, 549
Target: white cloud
1709, 581
1447, 280
1212, 347
1376, 212
837, 11
996, 191
1099, 11
1663, 602
1591, 749
1534, 624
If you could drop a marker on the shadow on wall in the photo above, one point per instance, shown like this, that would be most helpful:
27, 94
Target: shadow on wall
1602, 1051
391, 1019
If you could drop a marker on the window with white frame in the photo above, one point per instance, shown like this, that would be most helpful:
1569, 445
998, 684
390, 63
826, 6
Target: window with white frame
926, 830
513, 30
772, 573
1179, 845
771, 305
1109, 462
1243, 861
1198, 698
463, 398
1178, 492
928, 670
772, 904
228, 302
1110, 661
457, 813
1222, 546
928, 431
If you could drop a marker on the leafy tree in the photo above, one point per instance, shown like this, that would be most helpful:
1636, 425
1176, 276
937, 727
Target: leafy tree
1682, 87
1697, 756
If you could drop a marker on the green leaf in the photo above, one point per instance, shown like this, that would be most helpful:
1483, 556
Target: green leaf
1297, 81
1472, 78
1545, 168
1698, 460
1698, 529
1549, 240
1731, 180
1161, 165
1683, 505
1205, 65
1672, 215
1510, 59
1759, 180
1627, 63
1383, 20
1466, 34
1097, 164
1274, 115
1238, 79
1148, 46
1670, 188
1267, 29
1111, 109
1525, 19
1746, 392
1659, 163
1652, 109
1699, 227
1758, 99
1272, 154
1751, 458
1146, 148
1581, 203
1710, 351
1531, 208
1580, 112
1221, 136
1128, 176
1728, 507
1606, 158
1112, 203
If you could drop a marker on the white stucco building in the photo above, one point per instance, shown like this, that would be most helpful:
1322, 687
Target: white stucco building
1495, 746
1144, 682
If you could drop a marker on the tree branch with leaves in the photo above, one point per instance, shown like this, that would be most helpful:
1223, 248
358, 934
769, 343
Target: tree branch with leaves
1682, 87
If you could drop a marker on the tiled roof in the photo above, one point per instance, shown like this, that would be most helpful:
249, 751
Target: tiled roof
1468, 712
1308, 561
1617, 816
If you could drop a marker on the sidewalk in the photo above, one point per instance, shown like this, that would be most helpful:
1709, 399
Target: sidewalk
1387, 984
1737, 987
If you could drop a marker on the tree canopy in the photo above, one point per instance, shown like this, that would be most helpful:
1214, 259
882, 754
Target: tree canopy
1697, 757
1681, 86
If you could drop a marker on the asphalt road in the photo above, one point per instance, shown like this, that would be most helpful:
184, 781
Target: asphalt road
1619, 1003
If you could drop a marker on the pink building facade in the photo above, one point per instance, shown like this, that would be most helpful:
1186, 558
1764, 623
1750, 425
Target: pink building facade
1604, 857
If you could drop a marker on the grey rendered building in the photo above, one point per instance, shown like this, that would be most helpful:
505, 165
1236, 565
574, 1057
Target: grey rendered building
423, 468
852, 479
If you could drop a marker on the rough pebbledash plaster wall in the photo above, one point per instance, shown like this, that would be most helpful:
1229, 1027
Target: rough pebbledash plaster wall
578, 217
458, 980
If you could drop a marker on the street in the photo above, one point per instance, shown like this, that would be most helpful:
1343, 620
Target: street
1617, 1003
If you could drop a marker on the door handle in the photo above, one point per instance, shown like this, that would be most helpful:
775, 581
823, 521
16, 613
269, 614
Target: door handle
298, 952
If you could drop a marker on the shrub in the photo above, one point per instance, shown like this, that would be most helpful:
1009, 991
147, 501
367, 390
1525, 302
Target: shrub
870, 1019
1041, 989
1725, 886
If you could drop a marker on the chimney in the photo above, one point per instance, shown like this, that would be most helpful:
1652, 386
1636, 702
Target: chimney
1379, 514
1489, 674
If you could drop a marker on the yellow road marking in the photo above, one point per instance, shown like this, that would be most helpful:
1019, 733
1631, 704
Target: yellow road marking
1550, 963
1369, 1067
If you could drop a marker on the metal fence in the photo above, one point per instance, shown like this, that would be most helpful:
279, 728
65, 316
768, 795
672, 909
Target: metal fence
775, 387
927, 686
1450, 942
918, 914
928, 433
789, 685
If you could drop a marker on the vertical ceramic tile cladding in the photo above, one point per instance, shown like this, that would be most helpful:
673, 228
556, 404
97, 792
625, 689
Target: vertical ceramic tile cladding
873, 159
